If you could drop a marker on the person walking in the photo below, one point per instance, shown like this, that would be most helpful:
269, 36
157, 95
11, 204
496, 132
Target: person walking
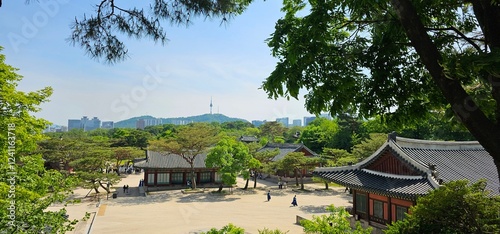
294, 201
124, 187
269, 195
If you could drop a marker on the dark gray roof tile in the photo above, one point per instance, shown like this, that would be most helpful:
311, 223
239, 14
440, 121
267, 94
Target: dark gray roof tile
158, 160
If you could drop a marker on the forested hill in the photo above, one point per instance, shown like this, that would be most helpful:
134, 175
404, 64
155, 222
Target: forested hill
219, 118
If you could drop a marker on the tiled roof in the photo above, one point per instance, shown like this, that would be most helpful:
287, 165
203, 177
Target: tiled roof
158, 160
248, 139
453, 161
285, 148
406, 187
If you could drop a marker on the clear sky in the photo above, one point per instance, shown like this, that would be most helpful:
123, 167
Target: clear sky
226, 62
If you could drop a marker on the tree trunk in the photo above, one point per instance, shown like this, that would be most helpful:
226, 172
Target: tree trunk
296, 177
104, 187
246, 184
193, 178
301, 181
326, 184
486, 131
220, 187
255, 180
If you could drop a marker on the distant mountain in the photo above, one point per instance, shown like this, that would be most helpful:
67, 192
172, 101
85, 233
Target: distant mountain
208, 118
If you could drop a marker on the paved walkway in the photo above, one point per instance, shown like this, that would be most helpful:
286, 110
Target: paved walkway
178, 213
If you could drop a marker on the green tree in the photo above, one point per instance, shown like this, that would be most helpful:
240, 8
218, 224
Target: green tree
369, 146
319, 134
228, 229
91, 165
26, 187
335, 223
269, 231
232, 158
272, 130
264, 157
297, 163
188, 143
98, 33
59, 152
456, 207
121, 154
399, 58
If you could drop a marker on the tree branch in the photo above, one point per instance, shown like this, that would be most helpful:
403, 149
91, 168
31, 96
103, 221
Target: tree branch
463, 36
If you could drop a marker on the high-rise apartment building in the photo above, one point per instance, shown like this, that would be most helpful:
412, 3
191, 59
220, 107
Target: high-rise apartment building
84, 123
297, 122
107, 124
283, 121
308, 120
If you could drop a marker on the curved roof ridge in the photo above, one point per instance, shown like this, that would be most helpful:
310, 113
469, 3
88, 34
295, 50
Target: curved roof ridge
422, 166
392, 176
434, 144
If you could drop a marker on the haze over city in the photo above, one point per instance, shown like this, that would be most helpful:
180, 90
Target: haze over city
210, 59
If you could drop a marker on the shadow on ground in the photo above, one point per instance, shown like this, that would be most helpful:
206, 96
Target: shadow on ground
313, 209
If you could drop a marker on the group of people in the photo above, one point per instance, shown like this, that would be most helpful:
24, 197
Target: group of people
125, 188
281, 184
294, 200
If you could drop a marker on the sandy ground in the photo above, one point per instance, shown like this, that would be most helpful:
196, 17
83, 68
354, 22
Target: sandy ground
178, 213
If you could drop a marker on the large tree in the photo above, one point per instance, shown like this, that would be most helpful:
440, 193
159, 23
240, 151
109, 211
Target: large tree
26, 187
399, 58
456, 207
188, 143
232, 158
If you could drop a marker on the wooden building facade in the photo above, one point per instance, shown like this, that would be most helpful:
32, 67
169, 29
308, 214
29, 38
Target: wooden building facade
172, 170
386, 184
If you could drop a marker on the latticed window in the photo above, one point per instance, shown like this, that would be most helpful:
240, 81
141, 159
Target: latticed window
205, 177
163, 178
400, 212
361, 203
218, 177
177, 178
378, 209
151, 179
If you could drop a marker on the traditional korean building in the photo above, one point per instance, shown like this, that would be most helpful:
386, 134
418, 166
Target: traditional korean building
172, 170
388, 182
286, 148
248, 139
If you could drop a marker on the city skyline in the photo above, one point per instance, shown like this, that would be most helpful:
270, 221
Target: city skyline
225, 62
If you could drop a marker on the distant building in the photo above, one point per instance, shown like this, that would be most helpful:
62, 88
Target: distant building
326, 116
90, 124
297, 122
84, 123
257, 123
140, 124
55, 128
308, 120
153, 122
283, 121
74, 124
107, 124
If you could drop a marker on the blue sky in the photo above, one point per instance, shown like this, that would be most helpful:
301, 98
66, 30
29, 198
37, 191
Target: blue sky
227, 62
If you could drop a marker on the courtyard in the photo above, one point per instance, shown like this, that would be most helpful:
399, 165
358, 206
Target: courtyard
175, 212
